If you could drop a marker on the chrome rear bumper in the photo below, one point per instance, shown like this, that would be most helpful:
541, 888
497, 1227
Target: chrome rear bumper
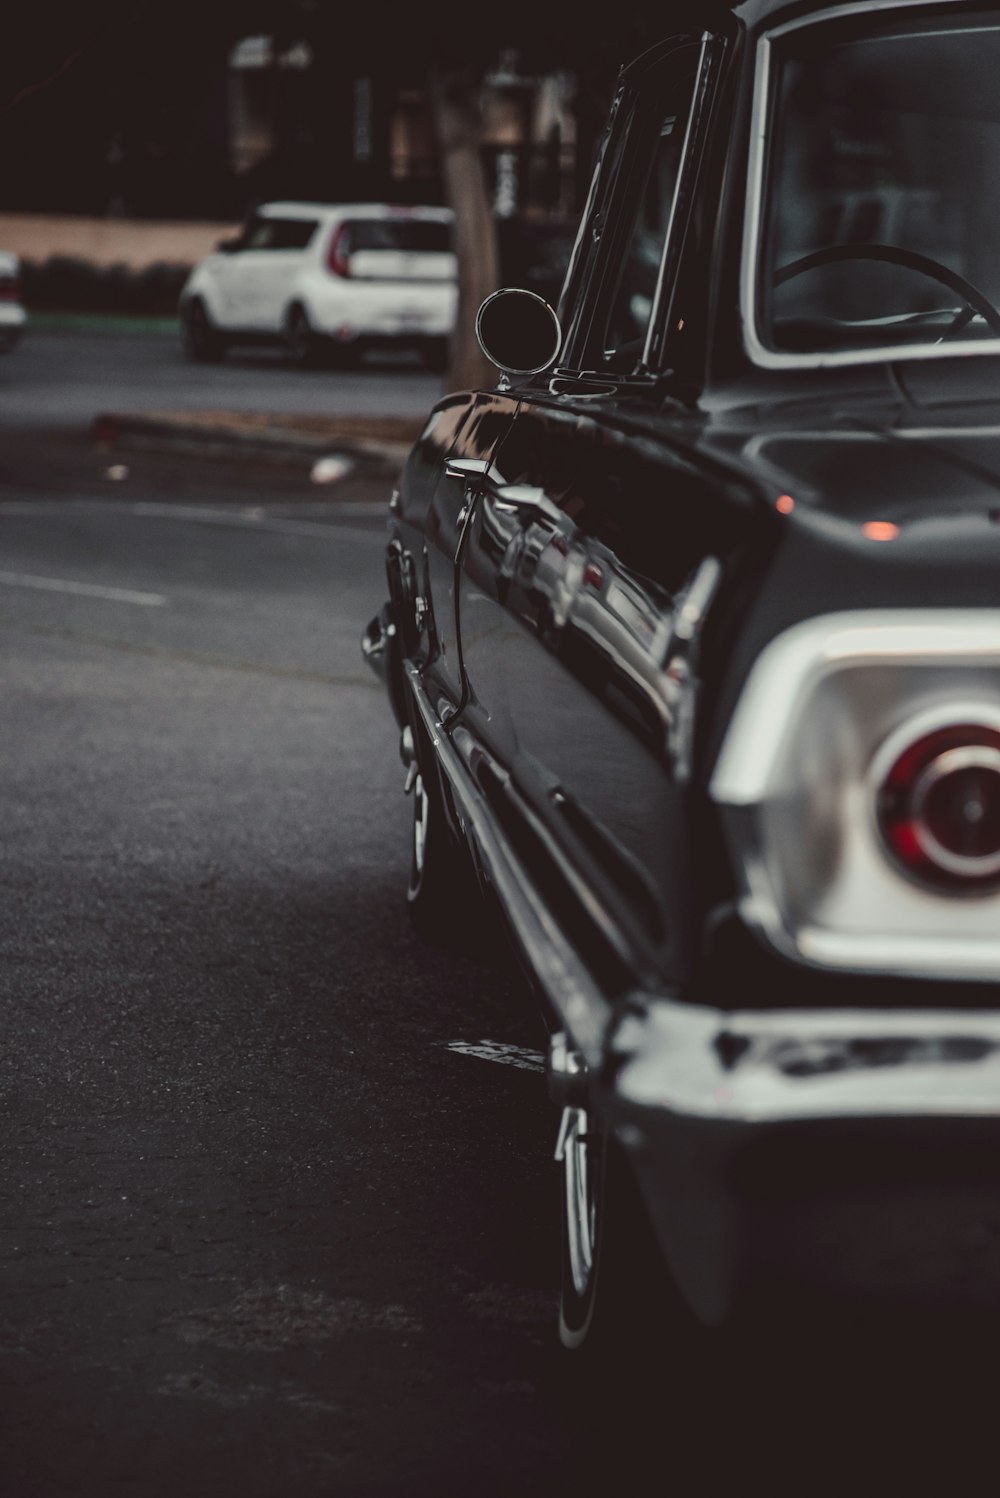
859, 1150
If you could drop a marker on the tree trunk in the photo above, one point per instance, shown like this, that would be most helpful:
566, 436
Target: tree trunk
456, 119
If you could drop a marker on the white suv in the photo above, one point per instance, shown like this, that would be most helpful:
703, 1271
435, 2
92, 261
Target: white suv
320, 277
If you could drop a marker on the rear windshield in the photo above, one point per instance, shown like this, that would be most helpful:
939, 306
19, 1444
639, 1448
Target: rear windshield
420, 236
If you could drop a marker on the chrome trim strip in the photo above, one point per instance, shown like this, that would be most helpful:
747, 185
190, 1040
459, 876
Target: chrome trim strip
944, 958
760, 354
745, 1068
582, 1008
805, 653
685, 170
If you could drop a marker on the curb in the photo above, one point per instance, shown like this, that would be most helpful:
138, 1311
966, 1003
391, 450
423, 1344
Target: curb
351, 440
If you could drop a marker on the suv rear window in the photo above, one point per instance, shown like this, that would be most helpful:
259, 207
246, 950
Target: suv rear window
418, 236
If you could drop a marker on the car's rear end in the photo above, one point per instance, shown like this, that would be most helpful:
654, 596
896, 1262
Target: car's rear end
385, 277
823, 1107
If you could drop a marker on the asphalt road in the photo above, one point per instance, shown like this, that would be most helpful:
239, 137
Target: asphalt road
58, 380
264, 1230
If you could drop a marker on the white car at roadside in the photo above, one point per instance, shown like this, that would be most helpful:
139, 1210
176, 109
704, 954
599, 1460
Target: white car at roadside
326, 278
12, 314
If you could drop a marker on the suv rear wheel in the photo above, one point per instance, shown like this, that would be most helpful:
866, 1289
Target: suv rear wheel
302, 346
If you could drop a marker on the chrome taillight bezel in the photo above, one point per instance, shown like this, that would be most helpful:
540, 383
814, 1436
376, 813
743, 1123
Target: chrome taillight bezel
820, 715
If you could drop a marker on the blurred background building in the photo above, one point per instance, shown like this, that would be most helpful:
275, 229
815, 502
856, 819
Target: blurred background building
137, 145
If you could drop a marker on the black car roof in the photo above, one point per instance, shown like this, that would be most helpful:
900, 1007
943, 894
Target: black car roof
756, 14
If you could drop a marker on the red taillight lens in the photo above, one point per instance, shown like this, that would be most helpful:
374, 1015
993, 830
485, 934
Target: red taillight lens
939, 807
10, 291
336, 255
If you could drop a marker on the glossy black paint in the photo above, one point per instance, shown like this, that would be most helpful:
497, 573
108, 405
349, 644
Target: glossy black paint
584, 569
552, 628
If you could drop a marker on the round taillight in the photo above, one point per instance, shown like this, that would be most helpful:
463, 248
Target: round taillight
938, 806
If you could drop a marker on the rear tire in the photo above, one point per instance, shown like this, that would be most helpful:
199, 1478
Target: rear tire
200, 338
648, 1387
438, 889
619, 1314
302, 346
599, 1214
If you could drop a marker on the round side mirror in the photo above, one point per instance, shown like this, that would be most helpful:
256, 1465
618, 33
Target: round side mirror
518, 331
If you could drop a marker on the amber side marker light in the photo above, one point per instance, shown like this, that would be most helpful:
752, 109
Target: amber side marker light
784, 504
880, 530
938, 808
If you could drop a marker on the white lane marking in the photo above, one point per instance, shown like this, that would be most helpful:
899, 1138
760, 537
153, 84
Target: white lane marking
84, 590
494, 1050
253, 520
245, 519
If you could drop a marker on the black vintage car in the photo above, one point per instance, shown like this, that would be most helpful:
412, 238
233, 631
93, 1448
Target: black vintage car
693, 638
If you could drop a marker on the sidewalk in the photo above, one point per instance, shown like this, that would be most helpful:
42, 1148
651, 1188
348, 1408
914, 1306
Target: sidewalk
328, 448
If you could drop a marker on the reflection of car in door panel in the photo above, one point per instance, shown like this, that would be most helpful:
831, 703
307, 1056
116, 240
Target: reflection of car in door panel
722, 730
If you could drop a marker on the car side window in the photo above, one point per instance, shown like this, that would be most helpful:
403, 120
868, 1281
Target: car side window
657, 148
278, 233
293, 233
634, 223
259, 234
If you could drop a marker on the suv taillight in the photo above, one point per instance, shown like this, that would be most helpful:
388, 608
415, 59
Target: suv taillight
336, 255
938, 807
10, 290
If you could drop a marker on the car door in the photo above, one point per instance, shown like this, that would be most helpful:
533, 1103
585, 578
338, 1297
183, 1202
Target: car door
578, 567
462, 442
274, 278
245, 267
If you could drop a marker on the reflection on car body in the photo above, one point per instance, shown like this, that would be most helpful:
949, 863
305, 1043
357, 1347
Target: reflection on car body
694, 643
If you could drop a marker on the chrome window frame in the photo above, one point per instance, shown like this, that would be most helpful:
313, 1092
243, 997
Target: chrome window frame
591, 297
666, 271
753, 222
